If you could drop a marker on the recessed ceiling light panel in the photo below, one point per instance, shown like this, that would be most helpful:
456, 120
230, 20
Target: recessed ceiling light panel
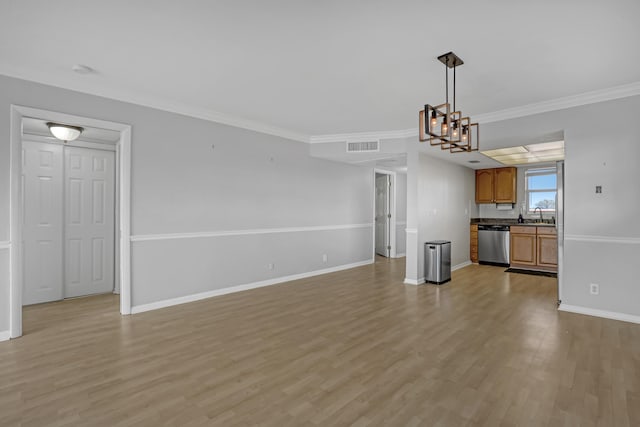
502, 151
533, 153
544, 146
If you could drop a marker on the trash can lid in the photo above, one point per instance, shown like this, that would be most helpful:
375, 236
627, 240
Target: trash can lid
437, 242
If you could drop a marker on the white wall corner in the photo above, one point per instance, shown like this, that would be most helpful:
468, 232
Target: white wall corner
461, 265
419, 281
599, 313
5, 335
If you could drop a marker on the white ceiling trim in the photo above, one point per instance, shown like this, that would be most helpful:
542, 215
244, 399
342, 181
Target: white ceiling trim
586, 98
176, 108
362, 136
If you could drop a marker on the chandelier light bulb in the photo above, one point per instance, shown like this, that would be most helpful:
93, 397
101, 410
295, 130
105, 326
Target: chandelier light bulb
444, 130
434, 120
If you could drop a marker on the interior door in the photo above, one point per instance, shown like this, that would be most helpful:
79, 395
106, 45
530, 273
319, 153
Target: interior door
89, 233
383, 210
42, 222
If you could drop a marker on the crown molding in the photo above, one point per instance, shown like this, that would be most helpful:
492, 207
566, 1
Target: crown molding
362, 136
170, 107
586, 98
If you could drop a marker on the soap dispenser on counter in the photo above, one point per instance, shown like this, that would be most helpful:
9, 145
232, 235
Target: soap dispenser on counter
520, 218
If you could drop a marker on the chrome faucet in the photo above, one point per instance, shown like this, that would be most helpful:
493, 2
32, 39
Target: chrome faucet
534, 212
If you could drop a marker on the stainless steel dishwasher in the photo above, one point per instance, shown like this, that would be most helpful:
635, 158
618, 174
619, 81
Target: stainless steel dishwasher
493, 244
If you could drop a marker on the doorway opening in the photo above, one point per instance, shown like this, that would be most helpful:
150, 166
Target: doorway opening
384, 214
69, 211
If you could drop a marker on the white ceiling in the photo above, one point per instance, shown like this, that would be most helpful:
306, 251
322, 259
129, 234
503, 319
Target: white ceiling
323, 67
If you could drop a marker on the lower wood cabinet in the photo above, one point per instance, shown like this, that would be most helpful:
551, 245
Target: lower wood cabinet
523, 249
534, 248
547, 251
473, 255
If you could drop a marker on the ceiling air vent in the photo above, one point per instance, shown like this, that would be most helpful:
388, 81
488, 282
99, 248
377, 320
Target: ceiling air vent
363, 146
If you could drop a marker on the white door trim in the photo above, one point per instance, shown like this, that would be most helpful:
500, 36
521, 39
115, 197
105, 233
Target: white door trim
392, 223
124, 214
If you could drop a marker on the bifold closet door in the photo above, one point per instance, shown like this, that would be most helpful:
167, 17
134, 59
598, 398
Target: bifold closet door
89, 221
42, 222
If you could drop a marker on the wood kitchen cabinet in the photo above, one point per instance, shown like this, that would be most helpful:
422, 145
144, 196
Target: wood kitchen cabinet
547, 243
523, 246
473, 255
534, 248
496, 185
505, 185
484, 185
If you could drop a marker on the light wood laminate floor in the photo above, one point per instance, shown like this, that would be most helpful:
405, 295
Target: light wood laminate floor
350, 348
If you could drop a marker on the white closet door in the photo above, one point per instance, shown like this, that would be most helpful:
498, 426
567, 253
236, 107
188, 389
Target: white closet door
42, 222
89, 221
382, 220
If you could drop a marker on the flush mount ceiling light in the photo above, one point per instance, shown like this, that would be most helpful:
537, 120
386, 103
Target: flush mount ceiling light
64, 133
440, 125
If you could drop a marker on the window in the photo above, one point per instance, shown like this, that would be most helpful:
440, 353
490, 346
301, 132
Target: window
540, 189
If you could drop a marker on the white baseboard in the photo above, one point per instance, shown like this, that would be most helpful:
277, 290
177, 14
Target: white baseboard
5, 335
421, 280
401, 255
600, 313
217, 292
461, 265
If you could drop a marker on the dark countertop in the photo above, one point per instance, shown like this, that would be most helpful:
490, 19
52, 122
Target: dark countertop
509, 221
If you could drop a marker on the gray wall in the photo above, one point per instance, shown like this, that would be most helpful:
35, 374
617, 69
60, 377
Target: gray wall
446, 202
602, 233
181, 185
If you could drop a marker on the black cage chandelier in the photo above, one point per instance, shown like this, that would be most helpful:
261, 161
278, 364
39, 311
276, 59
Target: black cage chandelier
441, 125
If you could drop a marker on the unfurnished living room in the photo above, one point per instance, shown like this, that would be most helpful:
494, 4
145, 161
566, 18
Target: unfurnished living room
319, 213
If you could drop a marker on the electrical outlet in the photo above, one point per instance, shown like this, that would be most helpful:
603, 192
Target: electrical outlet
324, 258
594, 289
270, 266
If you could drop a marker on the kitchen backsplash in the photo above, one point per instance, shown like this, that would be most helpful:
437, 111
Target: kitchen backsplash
490, 211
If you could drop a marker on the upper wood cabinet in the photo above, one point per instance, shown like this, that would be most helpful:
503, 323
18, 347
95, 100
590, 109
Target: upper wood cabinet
505, 185
484, 185
496, 185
